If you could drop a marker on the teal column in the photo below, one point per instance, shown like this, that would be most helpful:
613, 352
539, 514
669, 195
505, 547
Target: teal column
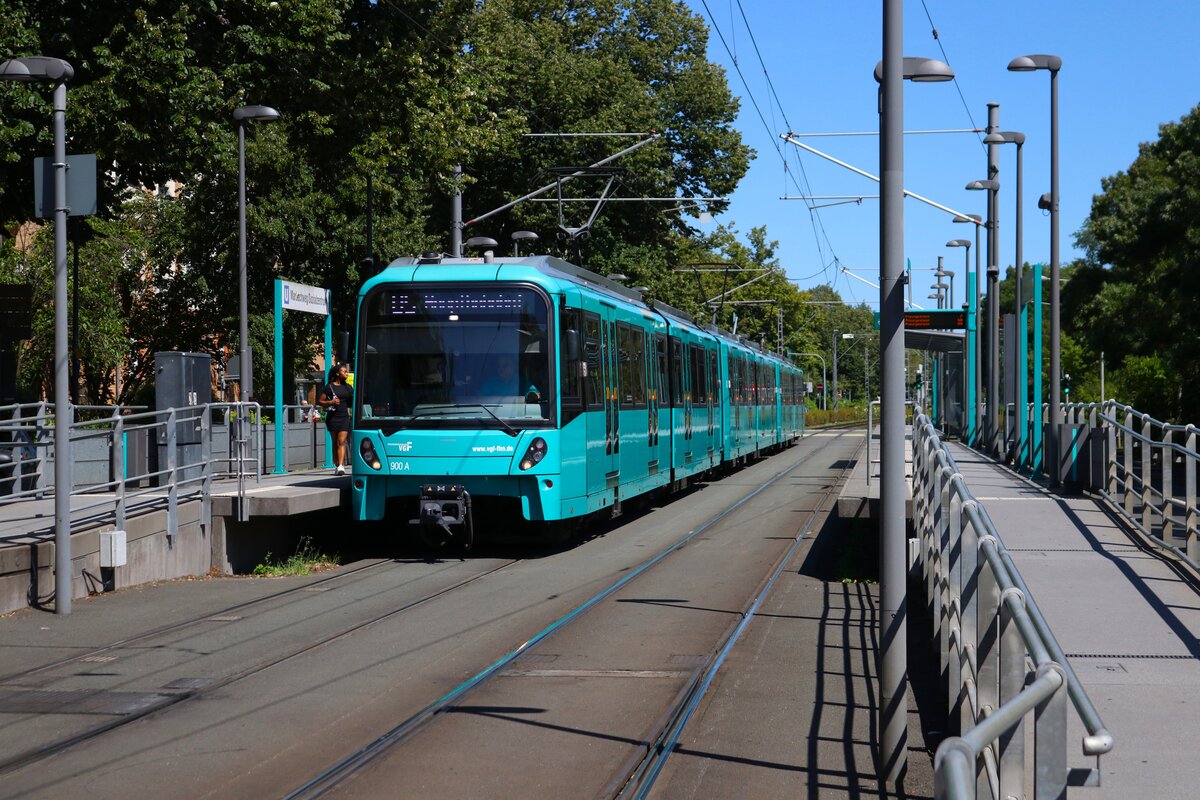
280, 453
1037, 449
969, 408
1023, 385
328, 364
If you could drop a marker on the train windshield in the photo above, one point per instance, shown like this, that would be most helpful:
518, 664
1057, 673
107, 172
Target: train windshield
454, 358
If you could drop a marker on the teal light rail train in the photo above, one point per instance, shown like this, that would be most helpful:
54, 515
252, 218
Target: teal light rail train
500, 390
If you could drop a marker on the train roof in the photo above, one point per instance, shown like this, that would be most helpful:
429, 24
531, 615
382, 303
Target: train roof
558, 268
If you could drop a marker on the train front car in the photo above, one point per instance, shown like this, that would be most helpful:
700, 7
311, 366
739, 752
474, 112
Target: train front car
456, 387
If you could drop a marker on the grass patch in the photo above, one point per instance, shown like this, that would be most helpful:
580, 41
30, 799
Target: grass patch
857, 559
306, 560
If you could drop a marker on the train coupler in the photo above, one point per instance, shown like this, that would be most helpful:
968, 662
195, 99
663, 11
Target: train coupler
445, 516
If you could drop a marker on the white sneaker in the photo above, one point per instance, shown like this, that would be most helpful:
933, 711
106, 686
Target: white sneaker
340, 470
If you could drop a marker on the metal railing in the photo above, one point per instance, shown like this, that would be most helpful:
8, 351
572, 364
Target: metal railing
870, 435
1149, 472
123, 461
987, 629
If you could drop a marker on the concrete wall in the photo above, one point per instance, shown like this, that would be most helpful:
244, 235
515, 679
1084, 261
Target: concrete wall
150, 557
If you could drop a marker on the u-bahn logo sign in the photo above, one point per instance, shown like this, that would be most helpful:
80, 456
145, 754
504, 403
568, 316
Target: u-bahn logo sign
298, 297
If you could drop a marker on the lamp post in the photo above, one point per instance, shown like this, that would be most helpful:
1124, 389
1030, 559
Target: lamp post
970, 366
836, 398
240, 116
976, 352
1053, 64
1017, 138
993, 310
58, 72
940, 273
892, 760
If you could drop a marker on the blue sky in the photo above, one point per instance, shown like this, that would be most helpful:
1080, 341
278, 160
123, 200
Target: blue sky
819, 56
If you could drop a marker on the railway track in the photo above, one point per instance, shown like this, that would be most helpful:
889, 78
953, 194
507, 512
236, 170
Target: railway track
46, 750
635, 777
176, 727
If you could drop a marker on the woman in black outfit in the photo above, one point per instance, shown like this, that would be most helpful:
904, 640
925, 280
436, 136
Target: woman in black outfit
337, 397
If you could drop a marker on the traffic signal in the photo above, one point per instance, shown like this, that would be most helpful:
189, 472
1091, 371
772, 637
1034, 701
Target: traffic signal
1067, 384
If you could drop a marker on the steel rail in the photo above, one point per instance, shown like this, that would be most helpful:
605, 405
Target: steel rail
641, 780
44, 751
351, 764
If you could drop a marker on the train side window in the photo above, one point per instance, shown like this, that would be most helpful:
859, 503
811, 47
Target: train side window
593, 362
676, 372
571, 355
664, 392
695, 356
630, 354
648, 348
735, 369
710, 357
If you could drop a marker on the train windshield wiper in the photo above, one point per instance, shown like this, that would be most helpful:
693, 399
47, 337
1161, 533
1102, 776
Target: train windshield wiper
442, 408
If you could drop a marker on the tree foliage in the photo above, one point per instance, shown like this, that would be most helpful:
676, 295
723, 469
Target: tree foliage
1135, 296
400, 92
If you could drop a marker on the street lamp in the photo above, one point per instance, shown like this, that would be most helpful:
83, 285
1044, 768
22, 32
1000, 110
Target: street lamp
836, 397
969, 353
942, 272
1053, 64
993, 314
977, 342
241, 116
1017, 138
940, 288
891, 72
58, 72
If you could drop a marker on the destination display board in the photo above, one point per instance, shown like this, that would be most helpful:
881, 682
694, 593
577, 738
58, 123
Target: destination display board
944, 319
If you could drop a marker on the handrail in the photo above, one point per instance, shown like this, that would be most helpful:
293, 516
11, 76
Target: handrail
973, 589
118, 486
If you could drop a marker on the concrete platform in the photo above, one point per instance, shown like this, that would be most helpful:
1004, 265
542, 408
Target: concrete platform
1127, 619
287, 495
859, 498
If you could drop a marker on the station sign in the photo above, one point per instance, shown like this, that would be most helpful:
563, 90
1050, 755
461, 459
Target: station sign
298, 297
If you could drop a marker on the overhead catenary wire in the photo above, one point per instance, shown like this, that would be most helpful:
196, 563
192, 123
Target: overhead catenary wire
813, 216
946, 58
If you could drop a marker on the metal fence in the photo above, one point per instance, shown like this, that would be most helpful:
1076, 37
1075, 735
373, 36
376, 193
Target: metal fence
1145, 469
1001, 667
127, 459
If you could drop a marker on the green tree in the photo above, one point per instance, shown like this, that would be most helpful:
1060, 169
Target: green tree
1134, 297
399, 91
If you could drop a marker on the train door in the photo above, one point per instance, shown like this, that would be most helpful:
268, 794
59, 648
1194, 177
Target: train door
714, 403
662, 405
698, 393
680, 436
649, 347
600, 382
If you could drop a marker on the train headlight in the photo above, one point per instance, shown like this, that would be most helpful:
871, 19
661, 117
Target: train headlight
367, 451
535, 453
